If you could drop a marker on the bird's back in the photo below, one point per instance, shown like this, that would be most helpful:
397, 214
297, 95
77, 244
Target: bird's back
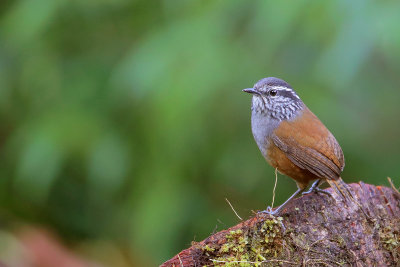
305, 149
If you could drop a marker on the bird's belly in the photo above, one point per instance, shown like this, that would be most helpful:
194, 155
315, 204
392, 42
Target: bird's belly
277, 159
262, 128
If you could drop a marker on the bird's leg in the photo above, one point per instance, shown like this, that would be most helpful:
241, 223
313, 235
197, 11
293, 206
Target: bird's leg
315, 188
276, 211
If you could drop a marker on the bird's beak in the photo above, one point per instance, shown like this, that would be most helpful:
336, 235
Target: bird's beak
251, 91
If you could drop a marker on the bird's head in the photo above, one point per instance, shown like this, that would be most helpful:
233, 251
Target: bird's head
275, 98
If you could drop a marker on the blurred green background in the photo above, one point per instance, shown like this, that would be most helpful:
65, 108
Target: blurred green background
124, 128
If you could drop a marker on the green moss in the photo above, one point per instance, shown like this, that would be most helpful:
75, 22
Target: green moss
208, 248
390, 239
249, 248
341, 242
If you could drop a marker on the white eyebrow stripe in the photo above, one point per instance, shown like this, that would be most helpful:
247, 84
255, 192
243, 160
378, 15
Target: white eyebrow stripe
283, 88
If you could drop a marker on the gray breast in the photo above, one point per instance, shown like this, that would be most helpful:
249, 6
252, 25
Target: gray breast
262, 127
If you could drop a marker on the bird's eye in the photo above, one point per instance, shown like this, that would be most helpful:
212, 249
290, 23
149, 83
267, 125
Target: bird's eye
273, 92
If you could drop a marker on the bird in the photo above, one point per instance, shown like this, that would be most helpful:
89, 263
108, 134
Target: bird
294, 141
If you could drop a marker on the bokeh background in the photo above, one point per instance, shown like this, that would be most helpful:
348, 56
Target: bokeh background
123, 127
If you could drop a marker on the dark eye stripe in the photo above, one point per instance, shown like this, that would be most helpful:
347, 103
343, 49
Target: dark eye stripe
288, 94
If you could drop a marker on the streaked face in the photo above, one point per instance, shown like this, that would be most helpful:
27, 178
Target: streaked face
275, 97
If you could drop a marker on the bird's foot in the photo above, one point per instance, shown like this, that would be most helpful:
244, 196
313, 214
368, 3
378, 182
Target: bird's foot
316, 190
269, 211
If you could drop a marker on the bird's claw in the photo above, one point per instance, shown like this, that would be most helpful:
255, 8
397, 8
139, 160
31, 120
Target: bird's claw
316, 190
269, 211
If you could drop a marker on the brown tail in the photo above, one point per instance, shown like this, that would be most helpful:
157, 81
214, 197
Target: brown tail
341, 188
